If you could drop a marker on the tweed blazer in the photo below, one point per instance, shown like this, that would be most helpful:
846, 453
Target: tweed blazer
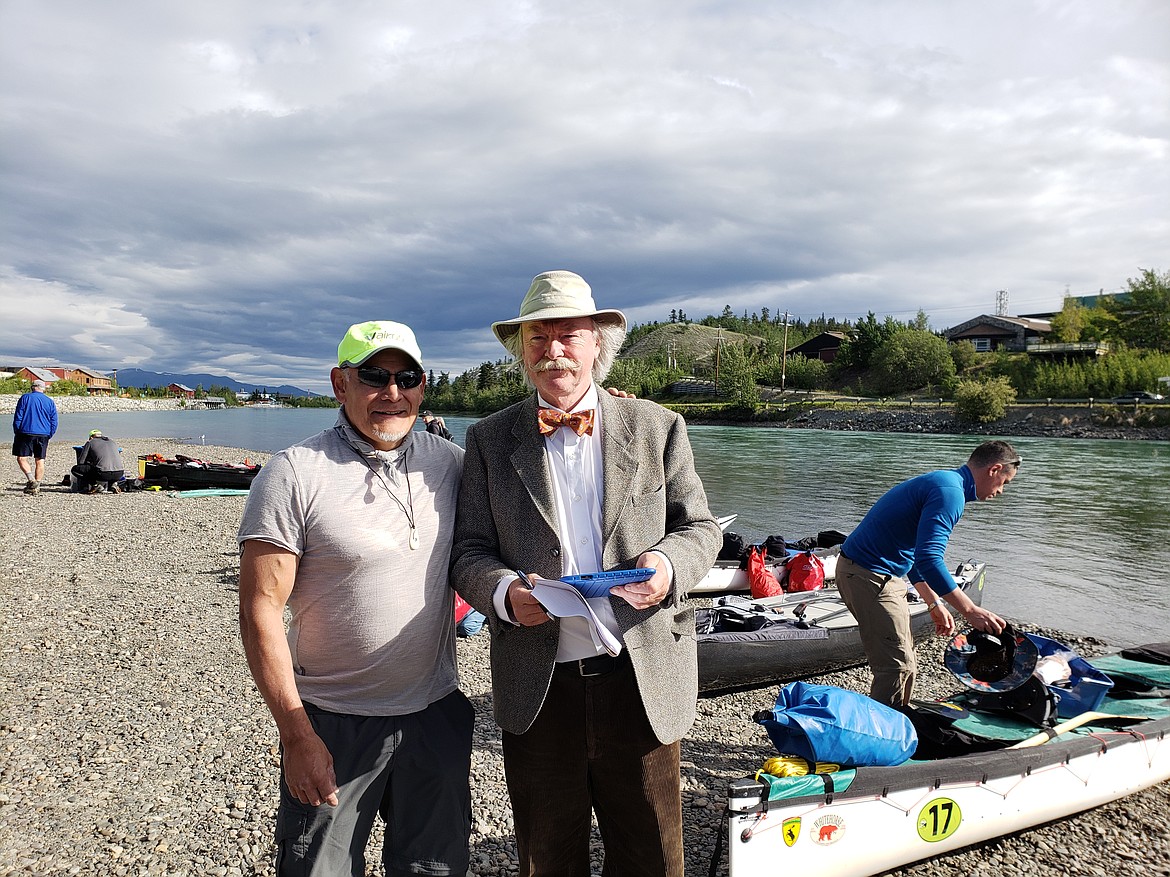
652, 499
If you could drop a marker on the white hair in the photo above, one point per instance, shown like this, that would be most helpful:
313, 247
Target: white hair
610, 338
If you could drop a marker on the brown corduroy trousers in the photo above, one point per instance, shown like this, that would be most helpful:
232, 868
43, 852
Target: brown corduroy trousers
591, 747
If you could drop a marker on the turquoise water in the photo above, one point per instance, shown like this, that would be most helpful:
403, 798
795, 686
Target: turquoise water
1080, 541
258, 429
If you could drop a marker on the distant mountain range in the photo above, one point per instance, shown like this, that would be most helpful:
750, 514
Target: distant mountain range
136, 377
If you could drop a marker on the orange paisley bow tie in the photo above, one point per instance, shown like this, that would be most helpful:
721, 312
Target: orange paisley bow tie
548, 419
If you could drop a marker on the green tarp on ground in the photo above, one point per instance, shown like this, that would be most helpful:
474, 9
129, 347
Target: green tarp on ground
1157, 675
992, 726
208, 491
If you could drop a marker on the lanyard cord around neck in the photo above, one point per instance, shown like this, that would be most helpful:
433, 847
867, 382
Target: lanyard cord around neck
408, 507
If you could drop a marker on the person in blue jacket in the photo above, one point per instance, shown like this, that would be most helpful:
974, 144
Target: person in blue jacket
33, 424
901, 540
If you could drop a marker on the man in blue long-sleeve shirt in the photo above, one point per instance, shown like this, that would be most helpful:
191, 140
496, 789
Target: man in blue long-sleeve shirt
33, 423
901, 540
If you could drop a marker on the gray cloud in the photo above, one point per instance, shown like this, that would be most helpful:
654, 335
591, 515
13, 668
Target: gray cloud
226, 188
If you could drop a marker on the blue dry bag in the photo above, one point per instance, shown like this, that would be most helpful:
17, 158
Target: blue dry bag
825, 723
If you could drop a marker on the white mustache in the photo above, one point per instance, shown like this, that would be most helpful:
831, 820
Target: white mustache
561, 363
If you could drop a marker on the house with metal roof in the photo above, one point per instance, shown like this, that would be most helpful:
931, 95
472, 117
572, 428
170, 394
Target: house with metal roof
995, 332
32, 373
823, 347
95, 383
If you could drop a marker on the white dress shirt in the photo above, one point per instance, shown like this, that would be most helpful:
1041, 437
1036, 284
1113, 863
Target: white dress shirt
574, 461
576, 467
575, 464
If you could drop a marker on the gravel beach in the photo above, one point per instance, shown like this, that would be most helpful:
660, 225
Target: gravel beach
133, 742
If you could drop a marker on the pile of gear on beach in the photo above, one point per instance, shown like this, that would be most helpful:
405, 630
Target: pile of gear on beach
1011, 680
776, 566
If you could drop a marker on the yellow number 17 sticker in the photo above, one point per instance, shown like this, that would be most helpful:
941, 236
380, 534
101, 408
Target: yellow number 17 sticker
938, 820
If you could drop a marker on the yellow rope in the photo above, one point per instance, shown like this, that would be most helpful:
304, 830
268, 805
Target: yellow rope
795, 766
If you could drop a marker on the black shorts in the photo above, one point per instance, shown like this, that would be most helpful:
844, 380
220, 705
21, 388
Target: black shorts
413, 769
25, 444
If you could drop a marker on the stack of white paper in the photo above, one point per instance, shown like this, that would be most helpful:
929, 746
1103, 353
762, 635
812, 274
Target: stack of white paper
562, 600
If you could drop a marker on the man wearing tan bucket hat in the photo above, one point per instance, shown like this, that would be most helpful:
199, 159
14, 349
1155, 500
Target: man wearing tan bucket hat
574, 481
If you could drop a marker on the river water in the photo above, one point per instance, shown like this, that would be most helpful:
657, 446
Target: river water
1080, 540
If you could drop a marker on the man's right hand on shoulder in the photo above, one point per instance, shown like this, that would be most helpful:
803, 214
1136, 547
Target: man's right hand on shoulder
308, 771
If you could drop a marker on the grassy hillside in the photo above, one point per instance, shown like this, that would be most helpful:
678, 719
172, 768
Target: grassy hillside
689, 342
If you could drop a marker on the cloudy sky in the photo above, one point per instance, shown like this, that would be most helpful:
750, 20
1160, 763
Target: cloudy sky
222, 186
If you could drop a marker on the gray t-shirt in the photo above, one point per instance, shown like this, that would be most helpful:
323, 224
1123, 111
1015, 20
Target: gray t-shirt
372, 630
103, 453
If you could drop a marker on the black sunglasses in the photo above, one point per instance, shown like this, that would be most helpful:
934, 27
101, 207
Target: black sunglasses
372, 376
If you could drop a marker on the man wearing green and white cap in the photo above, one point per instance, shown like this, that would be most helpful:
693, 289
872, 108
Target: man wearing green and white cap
352, 530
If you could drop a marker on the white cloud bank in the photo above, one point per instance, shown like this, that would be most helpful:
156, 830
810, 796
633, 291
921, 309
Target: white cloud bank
225, 187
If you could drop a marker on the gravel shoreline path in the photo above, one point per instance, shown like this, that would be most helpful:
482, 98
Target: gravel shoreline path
133, 742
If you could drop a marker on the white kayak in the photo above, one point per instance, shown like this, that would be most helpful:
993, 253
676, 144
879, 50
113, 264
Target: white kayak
865, 821
725, 577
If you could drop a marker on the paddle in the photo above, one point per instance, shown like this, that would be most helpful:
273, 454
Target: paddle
817, 622
797, 597
1088, 718
944, 708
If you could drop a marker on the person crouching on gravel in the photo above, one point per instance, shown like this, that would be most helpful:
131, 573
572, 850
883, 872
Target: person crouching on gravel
100, 465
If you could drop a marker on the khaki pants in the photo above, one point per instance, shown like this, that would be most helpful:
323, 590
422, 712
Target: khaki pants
878, 602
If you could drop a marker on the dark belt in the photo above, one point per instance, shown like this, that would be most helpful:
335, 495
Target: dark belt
883, 577
596, 666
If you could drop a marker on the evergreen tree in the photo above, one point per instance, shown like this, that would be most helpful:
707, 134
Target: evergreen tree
868, 336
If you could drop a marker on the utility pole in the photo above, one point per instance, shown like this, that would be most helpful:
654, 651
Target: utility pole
784, 356
718, 347
1001, 303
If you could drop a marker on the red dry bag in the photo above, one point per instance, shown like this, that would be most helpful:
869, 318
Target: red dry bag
462, 607
762, 582
806, 572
